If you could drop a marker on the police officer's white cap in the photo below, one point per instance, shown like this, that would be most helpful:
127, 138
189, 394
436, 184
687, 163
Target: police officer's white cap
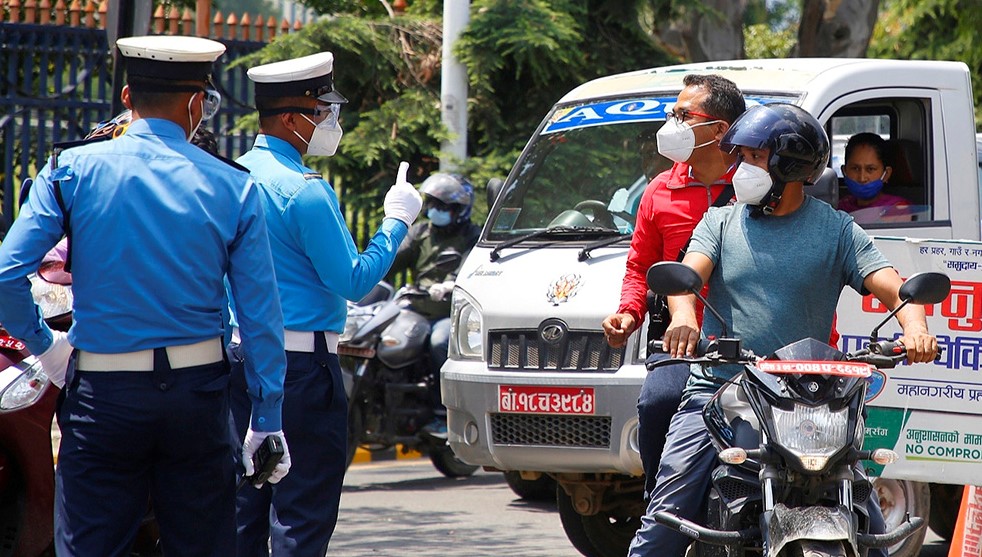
169, 57
307, 76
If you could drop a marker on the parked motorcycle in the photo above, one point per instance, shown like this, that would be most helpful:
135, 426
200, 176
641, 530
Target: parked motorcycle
386, 367
27, 406
789, 432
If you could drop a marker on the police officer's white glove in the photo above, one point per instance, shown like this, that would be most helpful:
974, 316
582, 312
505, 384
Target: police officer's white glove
402, 201
440, 290
54, 360
253, 439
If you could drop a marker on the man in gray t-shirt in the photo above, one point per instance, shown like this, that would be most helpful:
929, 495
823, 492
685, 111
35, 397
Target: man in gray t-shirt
776, 263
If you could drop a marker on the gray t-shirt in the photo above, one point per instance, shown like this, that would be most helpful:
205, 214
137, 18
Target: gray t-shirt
777, 279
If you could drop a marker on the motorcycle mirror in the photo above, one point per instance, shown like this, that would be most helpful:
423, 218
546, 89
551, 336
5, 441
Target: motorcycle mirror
926, 288
670, 278
919, 288
493, 189
449, 258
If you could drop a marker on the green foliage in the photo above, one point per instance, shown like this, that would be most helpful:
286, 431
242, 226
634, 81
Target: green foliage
762, 41
931, 30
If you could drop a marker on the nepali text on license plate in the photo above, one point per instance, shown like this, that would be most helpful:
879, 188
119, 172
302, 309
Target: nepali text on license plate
546, 400
11, 343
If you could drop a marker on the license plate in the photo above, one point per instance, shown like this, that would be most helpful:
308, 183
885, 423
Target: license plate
515, 399
11, 343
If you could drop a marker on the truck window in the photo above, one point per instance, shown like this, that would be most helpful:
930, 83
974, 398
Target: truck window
902, 124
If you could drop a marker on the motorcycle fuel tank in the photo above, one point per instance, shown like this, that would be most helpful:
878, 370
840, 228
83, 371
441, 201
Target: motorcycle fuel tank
404, 340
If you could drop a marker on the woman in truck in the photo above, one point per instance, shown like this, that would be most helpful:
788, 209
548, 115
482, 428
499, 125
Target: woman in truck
865, 173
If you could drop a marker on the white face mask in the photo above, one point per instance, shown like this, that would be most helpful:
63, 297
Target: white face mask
751, 183
194, 127
325, 139
676, 140
210, 103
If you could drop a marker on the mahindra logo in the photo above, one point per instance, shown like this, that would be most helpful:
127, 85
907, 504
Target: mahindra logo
552, 331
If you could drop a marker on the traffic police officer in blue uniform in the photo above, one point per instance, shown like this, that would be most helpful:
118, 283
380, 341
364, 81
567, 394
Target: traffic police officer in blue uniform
154, 224
318, 268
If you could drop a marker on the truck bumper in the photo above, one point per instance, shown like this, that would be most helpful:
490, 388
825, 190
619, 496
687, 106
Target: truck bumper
606, 440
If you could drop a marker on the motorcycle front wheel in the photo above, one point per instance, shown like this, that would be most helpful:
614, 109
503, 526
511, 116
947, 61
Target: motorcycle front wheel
448, 464
814, 548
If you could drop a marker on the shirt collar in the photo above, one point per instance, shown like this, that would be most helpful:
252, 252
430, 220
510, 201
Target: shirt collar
682, 177
278, 146
158, 126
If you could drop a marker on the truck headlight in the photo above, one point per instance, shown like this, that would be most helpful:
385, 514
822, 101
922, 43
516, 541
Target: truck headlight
466, 339
21, 384
812, 434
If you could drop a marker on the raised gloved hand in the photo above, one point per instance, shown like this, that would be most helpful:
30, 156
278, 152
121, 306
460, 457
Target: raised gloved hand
54, 360
253, 439
402, 201
440, 290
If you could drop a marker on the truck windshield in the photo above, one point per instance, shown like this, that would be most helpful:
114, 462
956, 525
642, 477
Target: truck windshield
587, 177
587, 167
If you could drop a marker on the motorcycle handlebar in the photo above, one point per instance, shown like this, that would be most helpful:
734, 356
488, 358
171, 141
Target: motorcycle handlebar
708, 352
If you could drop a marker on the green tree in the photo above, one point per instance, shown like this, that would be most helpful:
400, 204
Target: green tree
932, 30
521, 55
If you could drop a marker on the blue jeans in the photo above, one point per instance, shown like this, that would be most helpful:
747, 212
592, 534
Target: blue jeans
439, 345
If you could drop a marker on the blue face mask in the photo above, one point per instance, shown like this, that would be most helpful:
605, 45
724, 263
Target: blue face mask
869, 190
438, 217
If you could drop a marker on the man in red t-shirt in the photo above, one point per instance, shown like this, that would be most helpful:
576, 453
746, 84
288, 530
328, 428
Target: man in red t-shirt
671, 206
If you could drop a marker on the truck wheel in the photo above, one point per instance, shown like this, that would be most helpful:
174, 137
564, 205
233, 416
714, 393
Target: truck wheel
945, 502
542, 488
898, 498
604, 534
448, 464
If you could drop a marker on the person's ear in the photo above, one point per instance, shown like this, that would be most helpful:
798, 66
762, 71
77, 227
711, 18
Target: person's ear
886, 174
124, 96
721, 128
289, 121
843, 169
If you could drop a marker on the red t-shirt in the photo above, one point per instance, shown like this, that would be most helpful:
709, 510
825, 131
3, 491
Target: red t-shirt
671, 206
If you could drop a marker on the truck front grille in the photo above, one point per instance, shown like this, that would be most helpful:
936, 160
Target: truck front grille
550, 431
523, 350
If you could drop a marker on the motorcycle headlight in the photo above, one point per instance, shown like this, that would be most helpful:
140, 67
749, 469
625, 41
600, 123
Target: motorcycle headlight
812, 434
466, 339
356, 318
21, 384
53, 299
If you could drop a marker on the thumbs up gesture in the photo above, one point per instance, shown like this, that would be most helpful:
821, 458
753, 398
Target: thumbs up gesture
402, 201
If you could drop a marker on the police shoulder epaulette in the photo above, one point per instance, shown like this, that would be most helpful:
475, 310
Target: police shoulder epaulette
63, 145
312, 176
229, 162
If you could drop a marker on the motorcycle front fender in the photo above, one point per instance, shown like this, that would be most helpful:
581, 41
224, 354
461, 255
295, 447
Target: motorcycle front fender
785, 525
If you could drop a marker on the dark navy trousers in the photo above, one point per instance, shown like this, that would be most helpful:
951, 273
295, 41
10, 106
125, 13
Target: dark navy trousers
300, 512
132, 437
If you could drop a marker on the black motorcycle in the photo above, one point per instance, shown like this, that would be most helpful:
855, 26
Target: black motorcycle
386, 367
789, 433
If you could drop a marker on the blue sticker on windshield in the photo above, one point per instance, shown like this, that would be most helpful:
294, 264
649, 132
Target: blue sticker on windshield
623, 111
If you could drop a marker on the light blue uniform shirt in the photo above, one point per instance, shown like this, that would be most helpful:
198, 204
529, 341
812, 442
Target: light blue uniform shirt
777, 279
156, 224
317, 264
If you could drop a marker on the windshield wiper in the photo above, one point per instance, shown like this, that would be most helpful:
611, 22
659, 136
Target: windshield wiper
585, 252
552, 231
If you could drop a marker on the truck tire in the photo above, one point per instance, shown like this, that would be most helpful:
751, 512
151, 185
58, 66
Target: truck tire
945, 502
604, 534
542, 488
898, 498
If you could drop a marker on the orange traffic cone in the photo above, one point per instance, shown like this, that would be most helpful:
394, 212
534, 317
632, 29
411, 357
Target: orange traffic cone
966, 541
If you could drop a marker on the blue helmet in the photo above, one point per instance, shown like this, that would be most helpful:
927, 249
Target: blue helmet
453, 190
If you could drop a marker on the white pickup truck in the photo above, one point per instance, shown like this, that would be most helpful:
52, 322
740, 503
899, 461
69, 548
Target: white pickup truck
531, 385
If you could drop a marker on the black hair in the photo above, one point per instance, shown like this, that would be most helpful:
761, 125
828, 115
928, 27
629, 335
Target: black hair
869, 139
724, 101
205, 139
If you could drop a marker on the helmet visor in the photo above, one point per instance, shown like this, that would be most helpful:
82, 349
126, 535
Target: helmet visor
756, 128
